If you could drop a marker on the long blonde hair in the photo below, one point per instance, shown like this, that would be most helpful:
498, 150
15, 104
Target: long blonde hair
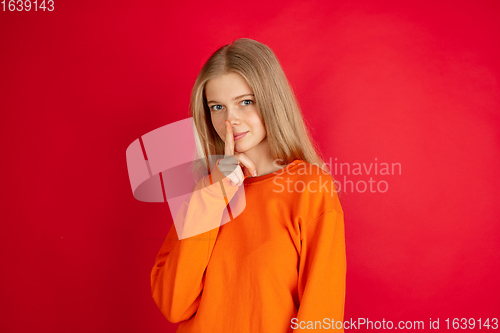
288, 135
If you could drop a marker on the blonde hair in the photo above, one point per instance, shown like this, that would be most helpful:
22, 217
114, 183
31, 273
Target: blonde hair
287, 133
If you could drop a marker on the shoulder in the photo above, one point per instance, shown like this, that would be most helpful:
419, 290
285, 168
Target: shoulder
313, 187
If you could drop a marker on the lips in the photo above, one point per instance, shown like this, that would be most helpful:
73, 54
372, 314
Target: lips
237, 136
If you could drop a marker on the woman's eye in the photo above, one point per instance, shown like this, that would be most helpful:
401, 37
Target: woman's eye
216, 107
247, 100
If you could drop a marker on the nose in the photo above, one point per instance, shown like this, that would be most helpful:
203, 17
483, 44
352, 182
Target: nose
233, 116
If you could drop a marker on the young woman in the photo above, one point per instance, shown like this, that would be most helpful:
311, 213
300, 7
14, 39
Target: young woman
279, 264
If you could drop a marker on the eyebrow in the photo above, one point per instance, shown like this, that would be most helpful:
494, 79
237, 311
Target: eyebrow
237, 97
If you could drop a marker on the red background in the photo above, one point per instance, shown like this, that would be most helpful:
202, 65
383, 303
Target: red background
415, 84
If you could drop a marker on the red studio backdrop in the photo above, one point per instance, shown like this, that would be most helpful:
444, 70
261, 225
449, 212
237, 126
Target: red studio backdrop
414, 86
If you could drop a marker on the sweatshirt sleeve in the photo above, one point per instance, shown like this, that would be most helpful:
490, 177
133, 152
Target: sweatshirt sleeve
177, 277
322, 271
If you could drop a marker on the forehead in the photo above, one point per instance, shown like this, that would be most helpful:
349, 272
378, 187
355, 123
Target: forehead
226, 86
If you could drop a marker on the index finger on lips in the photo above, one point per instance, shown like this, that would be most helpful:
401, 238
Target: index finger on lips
229, 144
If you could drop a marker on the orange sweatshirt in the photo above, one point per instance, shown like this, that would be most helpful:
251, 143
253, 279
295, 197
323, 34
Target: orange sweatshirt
278, 266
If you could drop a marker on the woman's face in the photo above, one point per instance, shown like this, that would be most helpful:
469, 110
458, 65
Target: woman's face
230, 98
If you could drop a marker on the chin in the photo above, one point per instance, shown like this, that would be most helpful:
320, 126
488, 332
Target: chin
241, 149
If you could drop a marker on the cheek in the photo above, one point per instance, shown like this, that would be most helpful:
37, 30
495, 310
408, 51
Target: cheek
254, 119
219, 126
258, 126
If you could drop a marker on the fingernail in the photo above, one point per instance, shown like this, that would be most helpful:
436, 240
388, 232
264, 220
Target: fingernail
255, 173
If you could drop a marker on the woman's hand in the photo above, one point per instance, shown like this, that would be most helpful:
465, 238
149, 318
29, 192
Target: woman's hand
232, 162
